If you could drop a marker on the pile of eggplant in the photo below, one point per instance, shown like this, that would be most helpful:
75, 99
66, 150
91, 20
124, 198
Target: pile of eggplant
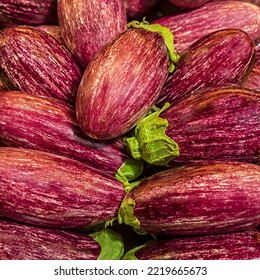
129, 129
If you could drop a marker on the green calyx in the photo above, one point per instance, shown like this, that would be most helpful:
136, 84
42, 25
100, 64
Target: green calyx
150, 141
130, 255
165, 33
112, 245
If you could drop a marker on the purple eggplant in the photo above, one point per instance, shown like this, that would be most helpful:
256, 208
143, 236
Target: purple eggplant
50, 125
87, 25
23, 242
135, 9
211, 198
48, 190
253, 79
28, 12
34, 62
190, 26
188, 4
230, 246
220, 58
219, 123
122, 82
54, 31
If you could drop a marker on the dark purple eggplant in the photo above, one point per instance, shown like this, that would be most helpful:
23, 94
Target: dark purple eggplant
121, 83
87, 25
190, 26
211, 198
28, 12
188, 4
48, 190
34, 62
136, 9
220, 58
23, 242
219, 123
50, 125
231, 246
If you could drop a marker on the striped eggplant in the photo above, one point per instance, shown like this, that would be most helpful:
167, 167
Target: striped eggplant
188, 4
222, 57
50, 125
190, 26
34, 62
23, 242
230, 246
54, 31
122, 82
28, 12
135, 9
89, 24
253, 79
220, 123
48, 190
211, 198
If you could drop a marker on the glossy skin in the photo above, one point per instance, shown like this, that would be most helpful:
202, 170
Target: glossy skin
205, 199
121, 84
23, 242
50, 125
222, 57
89, 24
44, 189
34, 62
28, 12
230, 246
190, 26
219, 123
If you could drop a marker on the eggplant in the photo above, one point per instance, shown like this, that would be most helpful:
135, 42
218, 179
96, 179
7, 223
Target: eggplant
34, 62
49, 124
136, 9
123, 81
190, 26
54, 31
243, 245
253, 79
23, 242
28, 12
188, 4
45, 189
87, 25
210, 198
220, 123
220, 58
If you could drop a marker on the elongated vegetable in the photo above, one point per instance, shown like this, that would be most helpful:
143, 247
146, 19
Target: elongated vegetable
44, 189
188, 4
34, 62
220, 58
230, 246
50, 125
22, 242
214, 198
135, 9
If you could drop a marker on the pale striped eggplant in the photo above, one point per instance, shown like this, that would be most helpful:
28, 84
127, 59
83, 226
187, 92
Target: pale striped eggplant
44, 189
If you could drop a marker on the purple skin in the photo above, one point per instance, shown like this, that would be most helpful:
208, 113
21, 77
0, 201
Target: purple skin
87, 25
232, 246
44, 189
121, 84
222, 57
253, 80
28, 12
219, 123
54, 31
50, 125
33, 61
192, 25
188, 4
199, 200
23, 242
136, 9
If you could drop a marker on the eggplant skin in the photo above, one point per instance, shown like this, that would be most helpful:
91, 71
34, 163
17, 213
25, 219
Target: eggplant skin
219, 123
44, 189
192, 25
50, 125
33, 61
213, 198
188, 4
220, 58
87, 25
230, 246
121, 84
23, 242
28, 12
135, 9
